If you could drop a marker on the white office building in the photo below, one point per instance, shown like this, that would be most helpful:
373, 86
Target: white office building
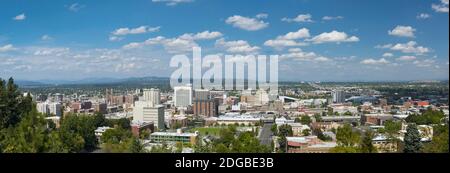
152, 96
55, 109
146, 112
183, 96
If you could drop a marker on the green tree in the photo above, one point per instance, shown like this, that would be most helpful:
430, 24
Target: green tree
439, 143
412, 139
306, 120
306, 132
366, 143
346, 137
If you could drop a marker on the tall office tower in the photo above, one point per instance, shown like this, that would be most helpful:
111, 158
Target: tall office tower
43, 108
152, 96
55, 108
201, 94
59, 97
183, 96
143, 111
338, 96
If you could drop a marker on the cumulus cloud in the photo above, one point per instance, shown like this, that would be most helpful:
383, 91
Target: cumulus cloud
20, 17
442, 7
409, 47
300, 55
205, 35
138, 30
406, 58
332, 17
423, 16
180, 44
246, 23
172, 2
371, 61
46, 38
262, 16
239, 46
7, 48
402, 31
299, 18
333, 36
289, 39
388, 54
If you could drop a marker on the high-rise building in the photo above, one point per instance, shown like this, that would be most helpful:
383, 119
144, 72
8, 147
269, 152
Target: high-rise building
43, 108
59, 97
208, 108
202, 94
183, 96
153, 96
55, 108
145, 112
338, 96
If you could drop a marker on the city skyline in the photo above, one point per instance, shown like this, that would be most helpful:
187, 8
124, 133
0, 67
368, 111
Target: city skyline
316, 40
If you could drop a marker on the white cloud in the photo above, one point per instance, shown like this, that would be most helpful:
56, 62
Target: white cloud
172, 2
205, 35
262, 16
371, 61
115, 38
51, 51
301, 33
410, 47
423, 16
239, 46
138, 30
46, 38
288, 40
406, 58
442, 7
75, 7
20, 17
424, 63
333, 36
299, 55
388, 54
332, 17
402, 31
246, 23
281, 43
299, 18
7, 48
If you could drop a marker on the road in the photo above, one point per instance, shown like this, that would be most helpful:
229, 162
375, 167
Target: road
265, 137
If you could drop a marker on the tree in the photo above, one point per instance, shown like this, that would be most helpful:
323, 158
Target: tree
439, 144
392, 127
13, 105
274, 129
412, 139
366, 143
306, 120
346, 137
136, 146
426, 118
306, 132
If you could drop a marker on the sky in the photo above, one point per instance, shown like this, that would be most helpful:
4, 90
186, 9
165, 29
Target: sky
316, 40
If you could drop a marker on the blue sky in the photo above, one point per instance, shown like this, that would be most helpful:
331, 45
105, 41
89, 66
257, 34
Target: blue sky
317, 40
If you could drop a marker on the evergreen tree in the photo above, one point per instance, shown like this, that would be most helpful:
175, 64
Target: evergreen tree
412, 140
